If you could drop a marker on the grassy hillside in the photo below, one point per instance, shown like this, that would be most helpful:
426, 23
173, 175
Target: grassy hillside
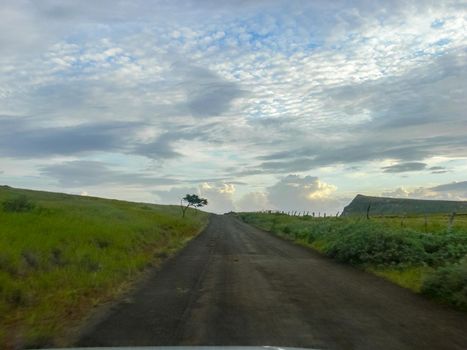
401, 206
61, 255
429, 259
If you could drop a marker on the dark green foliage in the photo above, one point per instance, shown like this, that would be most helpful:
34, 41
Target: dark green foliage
17, 297
57, 258
377, 247
18, 204
31, 259
444, 248
193, 200
369, 242
376, 243
449, 284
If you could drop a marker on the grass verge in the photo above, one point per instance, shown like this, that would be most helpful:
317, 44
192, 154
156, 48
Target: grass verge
62, 255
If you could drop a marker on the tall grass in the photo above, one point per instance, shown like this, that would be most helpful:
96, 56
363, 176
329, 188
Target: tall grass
67, 254
426, 255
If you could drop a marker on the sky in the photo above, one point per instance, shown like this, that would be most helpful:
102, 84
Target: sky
254, 105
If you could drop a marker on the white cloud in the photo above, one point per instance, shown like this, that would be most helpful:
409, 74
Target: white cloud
219, 195
307, 193
253, 201
449, 191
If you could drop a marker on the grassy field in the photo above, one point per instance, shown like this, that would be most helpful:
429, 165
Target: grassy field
61, 255
425, 254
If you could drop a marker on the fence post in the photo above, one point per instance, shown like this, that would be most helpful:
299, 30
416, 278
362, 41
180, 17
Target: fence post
451, 221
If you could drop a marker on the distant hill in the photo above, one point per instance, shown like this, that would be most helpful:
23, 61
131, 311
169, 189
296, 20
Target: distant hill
399, 206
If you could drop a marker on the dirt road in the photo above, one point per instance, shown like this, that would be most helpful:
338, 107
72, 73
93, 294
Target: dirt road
236, 285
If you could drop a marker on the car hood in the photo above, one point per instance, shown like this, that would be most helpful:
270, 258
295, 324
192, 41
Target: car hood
215, 347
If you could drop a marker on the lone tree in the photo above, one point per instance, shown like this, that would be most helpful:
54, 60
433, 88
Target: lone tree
192, 200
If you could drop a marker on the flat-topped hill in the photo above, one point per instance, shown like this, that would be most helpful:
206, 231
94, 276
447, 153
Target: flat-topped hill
399, 206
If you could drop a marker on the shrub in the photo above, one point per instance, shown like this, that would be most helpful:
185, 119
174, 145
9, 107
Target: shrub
31, 259
377, 247
432, 263
18, 204
449, 283
444, 248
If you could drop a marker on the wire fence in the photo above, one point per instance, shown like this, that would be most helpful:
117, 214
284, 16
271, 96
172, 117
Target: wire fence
300, 213
428, 222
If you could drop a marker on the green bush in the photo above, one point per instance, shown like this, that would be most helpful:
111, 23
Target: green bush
444, 248
18, 204
406, 255
367, 245
368, 242
449, 283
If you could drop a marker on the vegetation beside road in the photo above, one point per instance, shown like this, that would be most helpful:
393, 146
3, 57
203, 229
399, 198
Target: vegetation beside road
61, 255
427, 256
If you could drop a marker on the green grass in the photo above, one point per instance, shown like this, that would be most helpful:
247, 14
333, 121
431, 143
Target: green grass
411, 277
426, 256
65, 254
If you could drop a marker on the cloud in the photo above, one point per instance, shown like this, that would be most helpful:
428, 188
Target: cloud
410, 115
450, 191
23, 137
438, 170
20, 138
419, 193
77, 174
207, 93
253, 201
307, 193
292, 192
162, 147
174, 195
219, 195
451, 187
404, 167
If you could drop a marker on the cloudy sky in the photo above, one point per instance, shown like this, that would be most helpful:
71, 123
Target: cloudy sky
290, 105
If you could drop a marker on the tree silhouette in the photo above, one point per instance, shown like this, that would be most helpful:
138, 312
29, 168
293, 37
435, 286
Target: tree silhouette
192, 200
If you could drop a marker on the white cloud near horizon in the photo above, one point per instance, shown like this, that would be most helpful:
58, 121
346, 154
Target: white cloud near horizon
456, 191
292, 192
